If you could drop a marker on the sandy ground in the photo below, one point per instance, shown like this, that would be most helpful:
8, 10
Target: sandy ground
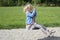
22, 34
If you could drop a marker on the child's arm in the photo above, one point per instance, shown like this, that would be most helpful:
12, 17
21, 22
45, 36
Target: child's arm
31, 14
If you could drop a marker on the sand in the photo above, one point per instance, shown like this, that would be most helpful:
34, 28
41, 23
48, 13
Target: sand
22, 34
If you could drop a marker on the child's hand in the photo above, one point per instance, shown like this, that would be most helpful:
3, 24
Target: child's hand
34, 7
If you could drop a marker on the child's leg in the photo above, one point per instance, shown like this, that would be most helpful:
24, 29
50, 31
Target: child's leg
32, 27
27, 27
44, 29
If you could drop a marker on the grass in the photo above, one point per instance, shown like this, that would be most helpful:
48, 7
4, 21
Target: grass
13, 17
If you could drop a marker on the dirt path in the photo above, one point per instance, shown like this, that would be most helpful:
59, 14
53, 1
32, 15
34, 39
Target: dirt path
22, 34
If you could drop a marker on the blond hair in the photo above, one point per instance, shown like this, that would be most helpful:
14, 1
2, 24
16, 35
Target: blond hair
27, 7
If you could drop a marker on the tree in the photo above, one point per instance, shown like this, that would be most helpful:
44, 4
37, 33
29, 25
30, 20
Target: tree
0, 2
22, 2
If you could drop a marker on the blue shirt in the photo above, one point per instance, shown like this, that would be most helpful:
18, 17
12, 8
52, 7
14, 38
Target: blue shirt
30, 16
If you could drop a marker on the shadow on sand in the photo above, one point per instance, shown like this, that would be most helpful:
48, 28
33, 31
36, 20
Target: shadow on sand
50, 38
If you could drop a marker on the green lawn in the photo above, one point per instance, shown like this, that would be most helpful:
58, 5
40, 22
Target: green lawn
14, 17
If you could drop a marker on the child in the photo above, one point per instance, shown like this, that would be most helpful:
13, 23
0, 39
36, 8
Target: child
30, 20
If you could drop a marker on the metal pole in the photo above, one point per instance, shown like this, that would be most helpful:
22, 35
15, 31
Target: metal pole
34, 3
18, 3
8, 2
